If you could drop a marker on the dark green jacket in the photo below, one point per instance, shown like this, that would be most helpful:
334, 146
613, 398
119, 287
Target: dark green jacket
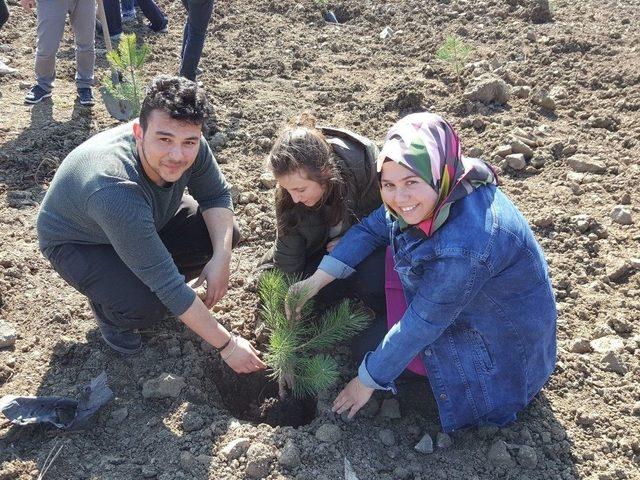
310, 237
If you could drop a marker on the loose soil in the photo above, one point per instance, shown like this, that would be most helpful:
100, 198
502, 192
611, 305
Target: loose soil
264, 61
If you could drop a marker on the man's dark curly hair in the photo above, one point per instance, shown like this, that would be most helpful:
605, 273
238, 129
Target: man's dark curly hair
178, 97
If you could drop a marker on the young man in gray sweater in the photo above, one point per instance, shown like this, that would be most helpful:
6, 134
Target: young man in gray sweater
117, 225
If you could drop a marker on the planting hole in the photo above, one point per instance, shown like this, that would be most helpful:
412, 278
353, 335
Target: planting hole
254, 397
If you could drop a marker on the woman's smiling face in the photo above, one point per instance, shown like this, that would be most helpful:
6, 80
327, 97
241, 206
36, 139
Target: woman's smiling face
406, 193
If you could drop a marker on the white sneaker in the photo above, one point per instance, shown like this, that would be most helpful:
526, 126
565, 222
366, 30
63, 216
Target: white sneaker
6, 69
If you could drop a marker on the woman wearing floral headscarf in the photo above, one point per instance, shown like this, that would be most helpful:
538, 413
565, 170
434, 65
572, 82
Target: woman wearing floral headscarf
480, 313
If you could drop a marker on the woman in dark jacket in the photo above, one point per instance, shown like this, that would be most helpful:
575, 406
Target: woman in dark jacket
326, 183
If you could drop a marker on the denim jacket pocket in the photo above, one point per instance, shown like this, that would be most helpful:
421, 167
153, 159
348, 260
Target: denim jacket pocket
480, 349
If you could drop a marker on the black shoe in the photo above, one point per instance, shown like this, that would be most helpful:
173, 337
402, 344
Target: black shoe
85, 97
121, 340
36, 95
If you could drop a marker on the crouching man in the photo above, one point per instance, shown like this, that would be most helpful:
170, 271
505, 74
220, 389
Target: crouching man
117, 225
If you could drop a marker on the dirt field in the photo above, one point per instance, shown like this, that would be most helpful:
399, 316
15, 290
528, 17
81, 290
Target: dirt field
574, 79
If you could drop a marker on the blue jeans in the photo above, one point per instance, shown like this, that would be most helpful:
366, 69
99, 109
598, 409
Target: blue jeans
195, 29
128, 6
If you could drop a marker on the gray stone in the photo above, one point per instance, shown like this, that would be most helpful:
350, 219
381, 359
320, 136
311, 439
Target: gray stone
636, 409
236, 448
538, 162
580, 345
488, 88
7, 334
502, 150
329, 433
290, 455
583, 222
622, 215
607, 344
349, 472
187, 461
267, 180
612, 362
543, 222
390, 409
516, 161
117, 416
586, 418
521, 91
148, 471
218, 141
499, 456
443, 440
166, 385
425, 445
386, 437
259, 458
542, 99
518, 146
527, 457
582, 163
618, 270
192, 421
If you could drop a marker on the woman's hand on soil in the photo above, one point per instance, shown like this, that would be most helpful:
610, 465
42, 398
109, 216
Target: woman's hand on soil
241, 356
352, 397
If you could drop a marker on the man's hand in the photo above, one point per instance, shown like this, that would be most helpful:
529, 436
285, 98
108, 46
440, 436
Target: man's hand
352, 397
216, 273
241, 356
332, 243
305, 290
28, 4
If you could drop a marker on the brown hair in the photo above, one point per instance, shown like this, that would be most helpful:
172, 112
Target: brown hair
302, 146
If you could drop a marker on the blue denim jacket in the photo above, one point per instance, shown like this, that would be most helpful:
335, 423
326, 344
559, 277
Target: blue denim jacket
481, 312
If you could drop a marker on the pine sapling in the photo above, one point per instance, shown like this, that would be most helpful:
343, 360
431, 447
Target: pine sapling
292, 353
455, 52
129, 59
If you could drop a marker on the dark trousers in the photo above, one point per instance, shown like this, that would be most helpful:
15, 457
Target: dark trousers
149, 8
195, 30
4, 12
115, 293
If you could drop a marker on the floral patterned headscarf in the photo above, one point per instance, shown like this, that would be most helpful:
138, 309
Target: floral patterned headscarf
426, 144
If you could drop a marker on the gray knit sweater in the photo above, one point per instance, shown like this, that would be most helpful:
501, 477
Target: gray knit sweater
101, 195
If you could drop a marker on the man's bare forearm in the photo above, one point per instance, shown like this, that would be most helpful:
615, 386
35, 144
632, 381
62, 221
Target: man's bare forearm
198, 319
219, 222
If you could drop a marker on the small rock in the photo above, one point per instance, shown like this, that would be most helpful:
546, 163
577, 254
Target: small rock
543, 222
619, 270
502, 150
187, 461
542, 99
218, 141
425, 445
259, 458
499, 455
636, 409
290, 455
7, 335
386, 437
527, 456
149, 471
235, 448
611, 362
443, 440
117, 416
607, 344
349, 472
386, 33
580, 345
518, 146
247, 197
264, 143
390, 409
267, 180
521, 91
622, 215
582, 163
538, 162
586, 418
20, 198
516, 161
329, 433
583, 222
166, 385
192, 421
488, 88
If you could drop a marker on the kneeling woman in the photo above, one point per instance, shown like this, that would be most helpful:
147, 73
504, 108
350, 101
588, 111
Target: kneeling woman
481, 314
326, 182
